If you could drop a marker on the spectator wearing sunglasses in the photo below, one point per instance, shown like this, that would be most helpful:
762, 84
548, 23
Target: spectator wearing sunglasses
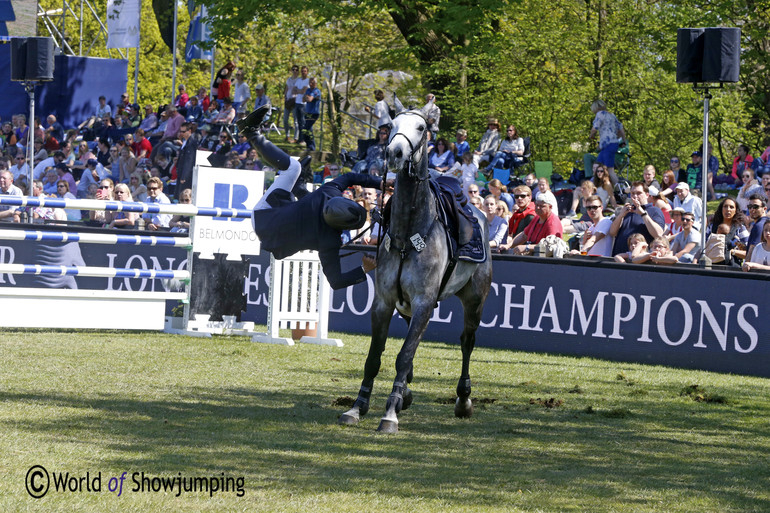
155, 195
757, 218
595, 240
686, 244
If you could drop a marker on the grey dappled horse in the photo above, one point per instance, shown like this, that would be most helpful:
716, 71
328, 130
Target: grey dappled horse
412, 260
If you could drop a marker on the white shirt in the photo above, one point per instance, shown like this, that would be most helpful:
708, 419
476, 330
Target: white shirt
39, 172
691, 204
604, 246
242, 92
382, 112
158, 219
300, 84
19, 171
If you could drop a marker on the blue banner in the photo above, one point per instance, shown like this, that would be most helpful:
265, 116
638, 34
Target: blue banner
199, 32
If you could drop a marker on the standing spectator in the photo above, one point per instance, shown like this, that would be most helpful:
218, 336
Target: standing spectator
241, 92
260, 98
222, 83
609, 129
300, 87
686, 244
381, 109
547, 223
638, 216
312, 100
186, 160
689, 203
498, 228
289, 101
155, 194
488, 144
433, 113
7, 212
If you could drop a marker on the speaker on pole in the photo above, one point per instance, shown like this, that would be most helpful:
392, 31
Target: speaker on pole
32, 59
708, 55
18, 58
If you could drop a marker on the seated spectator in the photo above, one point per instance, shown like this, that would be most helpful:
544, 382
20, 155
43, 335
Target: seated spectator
83, 156
595, 240
20, 170
63, 192
125, 220
686, 244
94, 173
44, 214
659, 253
583, 191
759, 260
742, 162
489, 143
131, 116
105, 192
500, 192
689, 202
174, 122
252, 161
730, 221
141, 147
40, 152
50, 181
522, 214
194, 111
637, 216
137, 184
9, 213
226, 116
465, 171
693, 175
178, 222
661, 203
461, 146
374, 162
648, 176
441, 158
473, 192
260, 98
210, 114
756, 220
182, 98
530, 180
543, 187
498, 228
511, 147
668, 186
155, 194
243, 146
547, 223
502, 211
676, 225
604, 186
150, 121
476, 202
64, 174
126, 164
636, 244
749, 187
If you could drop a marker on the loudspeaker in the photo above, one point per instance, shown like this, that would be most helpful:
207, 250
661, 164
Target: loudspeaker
708, 55
18, 58
32, 59
721, 55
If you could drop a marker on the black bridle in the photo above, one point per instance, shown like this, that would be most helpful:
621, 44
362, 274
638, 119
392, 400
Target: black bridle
411, 170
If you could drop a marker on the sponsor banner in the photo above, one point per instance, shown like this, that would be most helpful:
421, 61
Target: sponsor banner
123, 23
226, 188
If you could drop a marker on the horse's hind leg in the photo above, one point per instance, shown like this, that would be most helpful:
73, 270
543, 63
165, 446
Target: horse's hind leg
473, 305
380, 322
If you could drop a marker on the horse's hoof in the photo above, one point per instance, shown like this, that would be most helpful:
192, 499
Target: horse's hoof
388, 426
349, 418
463, 409
407, 399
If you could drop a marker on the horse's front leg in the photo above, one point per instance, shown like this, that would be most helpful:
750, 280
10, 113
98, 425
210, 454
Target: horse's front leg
401, 395
382, 313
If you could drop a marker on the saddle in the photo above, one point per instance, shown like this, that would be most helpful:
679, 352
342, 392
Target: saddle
462, 227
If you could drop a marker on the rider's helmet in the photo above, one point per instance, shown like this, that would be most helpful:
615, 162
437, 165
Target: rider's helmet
344, 214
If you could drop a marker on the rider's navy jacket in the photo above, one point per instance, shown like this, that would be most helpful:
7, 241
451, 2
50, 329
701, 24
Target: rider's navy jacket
299, 225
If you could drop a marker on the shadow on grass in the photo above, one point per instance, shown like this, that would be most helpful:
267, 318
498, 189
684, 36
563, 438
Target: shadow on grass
289, 441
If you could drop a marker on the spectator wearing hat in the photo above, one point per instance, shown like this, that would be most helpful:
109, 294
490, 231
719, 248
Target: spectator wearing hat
689, 203
489, 143
260, 98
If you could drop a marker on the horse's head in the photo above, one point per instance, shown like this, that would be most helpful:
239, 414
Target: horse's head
407, 145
